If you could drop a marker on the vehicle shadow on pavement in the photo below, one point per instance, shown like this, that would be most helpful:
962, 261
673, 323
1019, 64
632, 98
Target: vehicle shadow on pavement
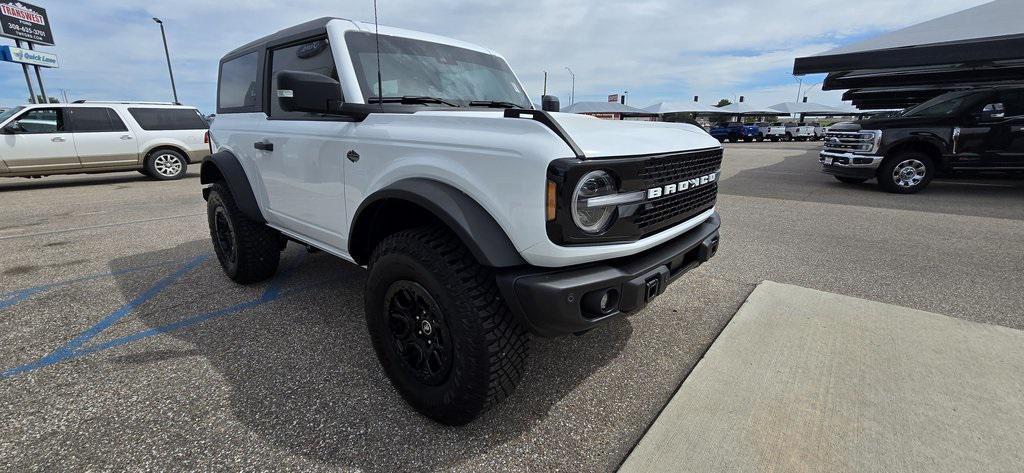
77, 180
302, 375
799, 178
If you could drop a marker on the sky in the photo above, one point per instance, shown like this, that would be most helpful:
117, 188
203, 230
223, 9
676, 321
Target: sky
657, 50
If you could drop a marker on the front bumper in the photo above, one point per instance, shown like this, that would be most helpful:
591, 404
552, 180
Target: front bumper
849, 164
559, 301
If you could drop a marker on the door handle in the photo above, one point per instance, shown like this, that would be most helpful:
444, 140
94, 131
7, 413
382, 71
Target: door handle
126, 137
57, 139
263, 145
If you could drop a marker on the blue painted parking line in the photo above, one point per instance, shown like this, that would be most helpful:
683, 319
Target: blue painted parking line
77, 348
12, 298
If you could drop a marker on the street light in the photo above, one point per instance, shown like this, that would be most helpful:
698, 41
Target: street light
174, 89
572, 94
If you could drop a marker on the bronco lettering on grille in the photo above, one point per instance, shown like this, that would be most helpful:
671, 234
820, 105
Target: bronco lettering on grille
655, 192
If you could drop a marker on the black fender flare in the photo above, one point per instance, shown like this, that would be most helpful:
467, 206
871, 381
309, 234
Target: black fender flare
224, 166
477, 229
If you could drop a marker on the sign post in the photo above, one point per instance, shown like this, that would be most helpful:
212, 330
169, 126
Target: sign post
26, 22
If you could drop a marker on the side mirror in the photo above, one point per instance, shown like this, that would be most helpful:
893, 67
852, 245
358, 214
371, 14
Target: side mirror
308, 92
13, 128
549, 103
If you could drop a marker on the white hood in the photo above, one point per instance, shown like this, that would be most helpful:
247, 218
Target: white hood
603, 138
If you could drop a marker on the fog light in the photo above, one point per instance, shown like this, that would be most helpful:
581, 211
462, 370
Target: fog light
600, 302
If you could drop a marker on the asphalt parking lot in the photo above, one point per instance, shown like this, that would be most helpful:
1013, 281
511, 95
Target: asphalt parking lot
123, 346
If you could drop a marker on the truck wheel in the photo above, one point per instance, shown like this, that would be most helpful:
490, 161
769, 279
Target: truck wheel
760, 138
166, 165
248, 251
789, 137
850, 180
441, 330
906, 173
748, 139
733, 138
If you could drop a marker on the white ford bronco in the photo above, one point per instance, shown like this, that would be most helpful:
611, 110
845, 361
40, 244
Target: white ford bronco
481, 220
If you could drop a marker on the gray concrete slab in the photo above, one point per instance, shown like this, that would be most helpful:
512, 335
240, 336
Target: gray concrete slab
804, 380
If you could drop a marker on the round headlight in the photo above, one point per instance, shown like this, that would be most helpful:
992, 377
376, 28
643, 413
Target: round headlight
593, 219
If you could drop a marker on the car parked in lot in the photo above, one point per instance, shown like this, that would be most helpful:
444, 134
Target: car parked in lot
798, 131
972, 130
480, 219
734, 131
775, 131
159, 140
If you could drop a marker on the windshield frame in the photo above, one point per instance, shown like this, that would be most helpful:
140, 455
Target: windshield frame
10, 113
367, 89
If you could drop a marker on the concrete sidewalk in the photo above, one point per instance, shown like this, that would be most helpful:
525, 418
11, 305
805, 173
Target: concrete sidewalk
804, 380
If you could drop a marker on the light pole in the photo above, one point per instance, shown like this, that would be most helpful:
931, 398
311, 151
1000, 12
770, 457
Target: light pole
174, 89
799, 87
808, 90
572, 94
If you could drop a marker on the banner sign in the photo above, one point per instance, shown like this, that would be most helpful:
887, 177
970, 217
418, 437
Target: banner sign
613, 98
26, 22
27, 56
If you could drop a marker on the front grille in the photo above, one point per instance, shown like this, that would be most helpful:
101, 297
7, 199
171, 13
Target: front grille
849, 141
663, 212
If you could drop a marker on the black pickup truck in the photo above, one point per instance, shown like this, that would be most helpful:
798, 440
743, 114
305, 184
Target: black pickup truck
969, 130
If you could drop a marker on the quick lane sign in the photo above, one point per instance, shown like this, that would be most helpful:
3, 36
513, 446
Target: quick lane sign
26, 22
27, 56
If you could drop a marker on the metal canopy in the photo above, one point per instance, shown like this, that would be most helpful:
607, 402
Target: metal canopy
890, 98
684, 107
605, 107
983, 34
742, 108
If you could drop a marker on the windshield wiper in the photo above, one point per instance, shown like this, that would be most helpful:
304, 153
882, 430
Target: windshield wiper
493, 104
411, 100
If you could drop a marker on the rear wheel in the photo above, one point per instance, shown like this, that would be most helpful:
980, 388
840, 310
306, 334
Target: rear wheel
789, 137
166, 164
441, 330
906, 173
248, 251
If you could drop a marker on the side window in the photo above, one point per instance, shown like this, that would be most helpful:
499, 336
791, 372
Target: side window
1012, 103
311, 56
95, 120
168, 118
40, 120
238, 82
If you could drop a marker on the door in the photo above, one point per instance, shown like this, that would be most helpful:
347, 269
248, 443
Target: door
37, 141
302, 159
994, 134
102, 139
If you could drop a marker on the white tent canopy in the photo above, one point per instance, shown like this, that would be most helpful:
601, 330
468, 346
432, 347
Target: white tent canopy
804, 108
743, 108
683, 107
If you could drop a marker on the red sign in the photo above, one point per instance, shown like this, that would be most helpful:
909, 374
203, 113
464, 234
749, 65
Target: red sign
22, 14
24, 21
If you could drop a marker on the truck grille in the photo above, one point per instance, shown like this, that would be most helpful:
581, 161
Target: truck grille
664, 212
850, 141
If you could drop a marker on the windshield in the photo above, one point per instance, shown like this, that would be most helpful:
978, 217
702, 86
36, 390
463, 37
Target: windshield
943, 105
9, 113
419, 68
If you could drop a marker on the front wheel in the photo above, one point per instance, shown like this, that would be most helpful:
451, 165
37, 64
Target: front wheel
906, 173
439, 326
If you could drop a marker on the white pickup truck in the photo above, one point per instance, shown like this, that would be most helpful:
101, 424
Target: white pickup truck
481, 220
800, 132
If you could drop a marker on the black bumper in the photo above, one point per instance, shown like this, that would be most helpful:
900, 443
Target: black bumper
865, 173
559, 301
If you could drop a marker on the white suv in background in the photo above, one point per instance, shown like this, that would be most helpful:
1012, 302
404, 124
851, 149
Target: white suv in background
158, 140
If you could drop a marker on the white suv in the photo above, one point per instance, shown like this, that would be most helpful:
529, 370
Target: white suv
158, 140
481, 220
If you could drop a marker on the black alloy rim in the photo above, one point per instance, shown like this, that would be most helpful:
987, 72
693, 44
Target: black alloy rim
419, 334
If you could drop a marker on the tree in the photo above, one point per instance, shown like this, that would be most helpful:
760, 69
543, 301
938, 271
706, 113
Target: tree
723, 102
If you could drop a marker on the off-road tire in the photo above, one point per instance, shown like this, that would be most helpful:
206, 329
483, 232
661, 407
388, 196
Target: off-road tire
850, 180
488, 343
886, 172
250, 251
161, 162
789, 137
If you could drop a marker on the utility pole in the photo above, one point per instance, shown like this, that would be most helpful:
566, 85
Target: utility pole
28, 80
39, 77
167, 52
572, 94
545, 83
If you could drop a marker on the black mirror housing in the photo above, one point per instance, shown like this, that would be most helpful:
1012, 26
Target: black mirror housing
310, 92
549, 103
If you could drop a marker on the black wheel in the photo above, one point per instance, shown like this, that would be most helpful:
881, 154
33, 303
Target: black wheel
789, 137
906, 173
747, 139
441, 330
166, 164
760, 138
733, 138
850, 180
249, 251
721, 139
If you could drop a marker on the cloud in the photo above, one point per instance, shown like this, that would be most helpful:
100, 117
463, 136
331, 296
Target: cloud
656, 49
